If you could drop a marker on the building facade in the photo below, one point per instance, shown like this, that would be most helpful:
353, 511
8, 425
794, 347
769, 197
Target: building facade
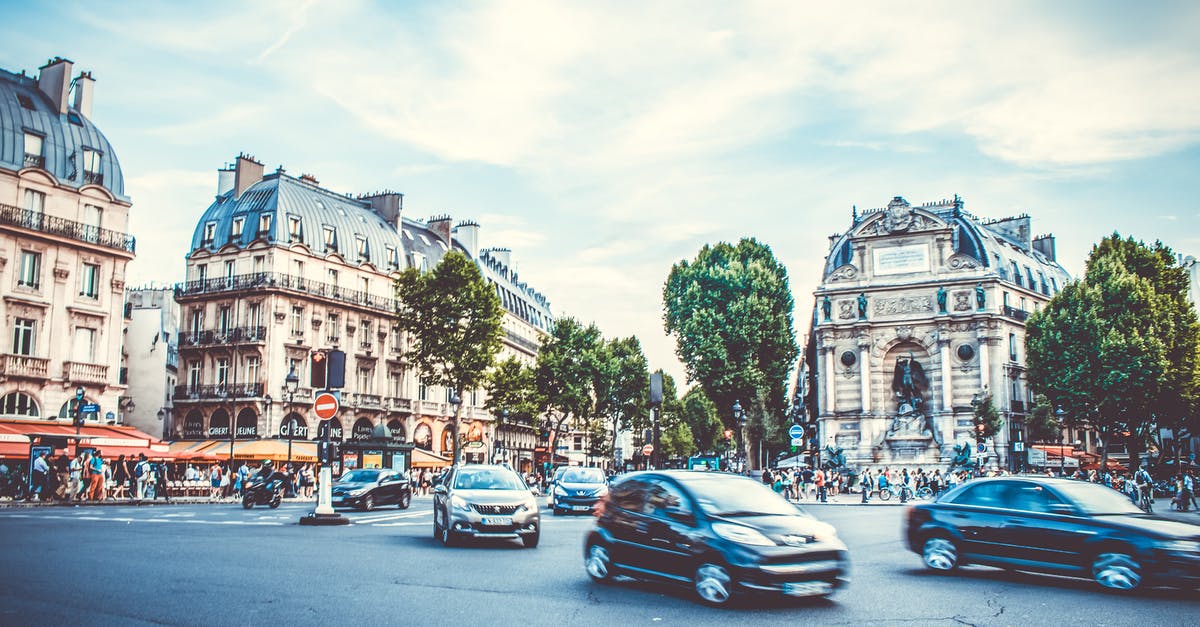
64, 247
280, 267
152, 358
920, 313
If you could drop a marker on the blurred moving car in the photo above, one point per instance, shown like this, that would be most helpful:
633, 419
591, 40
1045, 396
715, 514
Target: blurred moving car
1058, 526
365, 488
485, 501
577, 489
720, 534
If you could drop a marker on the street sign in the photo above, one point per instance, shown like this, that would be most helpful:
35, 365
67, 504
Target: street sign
473, 445
90, 408
797, 432
648, 449
325, 406
797, 441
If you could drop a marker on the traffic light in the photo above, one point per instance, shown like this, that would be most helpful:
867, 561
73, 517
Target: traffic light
317, 368
336, 367
78, 418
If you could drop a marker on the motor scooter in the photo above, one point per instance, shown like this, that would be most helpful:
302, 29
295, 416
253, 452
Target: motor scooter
263, 492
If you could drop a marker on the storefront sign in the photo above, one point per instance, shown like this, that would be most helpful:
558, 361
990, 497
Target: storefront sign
247, 431
218, 432
363, 430
901, 259
193, 428
299, 431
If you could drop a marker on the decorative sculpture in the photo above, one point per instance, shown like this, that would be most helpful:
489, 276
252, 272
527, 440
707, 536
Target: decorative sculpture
832, 457
941, 299
980, 296
862, 305
827, 308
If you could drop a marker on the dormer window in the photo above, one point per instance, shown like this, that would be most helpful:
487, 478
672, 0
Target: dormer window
330, 239
393, 258
295, 234
91, 167
210, 233
1016, 273
238, 225
264, 224
33, 151
26, 102
364, 253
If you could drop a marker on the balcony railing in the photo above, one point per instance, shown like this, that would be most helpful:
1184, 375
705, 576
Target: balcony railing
403, 404
217, 336
522, 342
25, 366
1015, 314
218, 391
368, 400
280, 281
93, 178
53, 225
34, 161
77, 372
1018, 406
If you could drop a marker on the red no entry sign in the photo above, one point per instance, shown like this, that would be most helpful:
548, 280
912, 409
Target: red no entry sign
648, 449
325, 406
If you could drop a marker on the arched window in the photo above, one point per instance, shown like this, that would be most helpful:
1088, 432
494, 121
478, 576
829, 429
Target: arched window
18, 404
447, 441
193, 425
218, 425
247, 424
396, 426
362, 429
423, 436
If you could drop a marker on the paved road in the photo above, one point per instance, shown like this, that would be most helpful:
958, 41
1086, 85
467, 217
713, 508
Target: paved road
219, 564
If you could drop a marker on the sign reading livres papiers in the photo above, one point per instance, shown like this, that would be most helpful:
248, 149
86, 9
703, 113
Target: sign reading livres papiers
901, 259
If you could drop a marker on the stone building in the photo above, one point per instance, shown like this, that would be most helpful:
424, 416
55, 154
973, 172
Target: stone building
152, 358
920, 312
64, 247
280, 267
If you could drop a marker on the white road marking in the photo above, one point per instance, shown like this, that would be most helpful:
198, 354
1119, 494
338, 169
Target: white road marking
372, 519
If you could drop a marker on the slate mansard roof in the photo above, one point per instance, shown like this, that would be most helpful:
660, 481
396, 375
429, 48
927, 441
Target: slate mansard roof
995, 244
24, 108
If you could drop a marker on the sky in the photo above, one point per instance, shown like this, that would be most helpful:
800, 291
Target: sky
606, 141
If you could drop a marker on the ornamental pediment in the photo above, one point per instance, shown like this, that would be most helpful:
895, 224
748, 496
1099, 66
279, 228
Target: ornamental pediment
898, 218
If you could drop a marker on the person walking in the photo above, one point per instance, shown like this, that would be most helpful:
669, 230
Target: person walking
865, 482
214, 482
96, 484
822, 492
121, 477
38, 478
161, 479
141, 476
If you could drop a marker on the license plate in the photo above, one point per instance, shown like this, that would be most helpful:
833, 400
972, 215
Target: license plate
807, 588
497, 521
581, 508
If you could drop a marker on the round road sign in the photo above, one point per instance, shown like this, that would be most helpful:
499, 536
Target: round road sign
796, 431
325, 406
648, 449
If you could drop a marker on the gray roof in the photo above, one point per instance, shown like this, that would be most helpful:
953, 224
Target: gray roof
23, 107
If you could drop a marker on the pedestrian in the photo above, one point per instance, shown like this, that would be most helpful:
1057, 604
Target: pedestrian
865, 484
38, 478
822, 492
1189, 484
141, 475
96, 485
307, 480
62, 469
76, 477
214, 482
806, 478
121, 476
161, 481
243, 475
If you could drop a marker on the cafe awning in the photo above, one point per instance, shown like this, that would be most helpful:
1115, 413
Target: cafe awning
111, 440
422, 458
303, 451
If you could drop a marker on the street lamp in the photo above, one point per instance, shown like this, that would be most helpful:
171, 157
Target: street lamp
740, 418
456, 401
1062, 441
499, 453
291, 383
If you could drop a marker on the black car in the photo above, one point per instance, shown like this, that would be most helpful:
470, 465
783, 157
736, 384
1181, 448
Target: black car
1058, 526
365, 488
720, 534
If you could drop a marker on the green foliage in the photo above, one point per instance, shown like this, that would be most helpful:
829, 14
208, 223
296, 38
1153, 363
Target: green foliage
730, 311
511, 388
676, 440
566, 368
621, 383
987, 420
700, 414
1043, 424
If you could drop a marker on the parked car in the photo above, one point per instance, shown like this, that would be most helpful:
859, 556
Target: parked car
365, 488
722, 535
485, 501
1058, 526
577, 489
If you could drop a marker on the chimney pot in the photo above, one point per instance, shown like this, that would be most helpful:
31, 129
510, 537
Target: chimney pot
54, 80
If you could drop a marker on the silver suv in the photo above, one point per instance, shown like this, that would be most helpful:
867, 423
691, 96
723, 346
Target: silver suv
484, 501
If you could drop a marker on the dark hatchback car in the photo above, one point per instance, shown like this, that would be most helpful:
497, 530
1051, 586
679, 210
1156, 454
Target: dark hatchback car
722, 535
365, 488
1057, 526
577, 489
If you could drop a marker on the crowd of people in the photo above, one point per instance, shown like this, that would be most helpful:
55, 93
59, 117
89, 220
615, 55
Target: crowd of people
90, 476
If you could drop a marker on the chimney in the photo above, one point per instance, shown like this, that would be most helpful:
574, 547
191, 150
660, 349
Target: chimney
503, 255
247, 172
440, 225
84, 83
54, 79
225, 179
388, 204
1045, 244
467, 234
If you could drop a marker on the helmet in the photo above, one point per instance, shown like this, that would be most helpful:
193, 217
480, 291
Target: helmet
266, 462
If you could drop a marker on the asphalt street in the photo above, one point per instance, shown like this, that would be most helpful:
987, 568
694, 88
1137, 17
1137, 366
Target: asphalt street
217, 564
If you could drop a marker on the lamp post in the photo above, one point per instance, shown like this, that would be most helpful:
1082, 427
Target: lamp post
499, 453
456, 401
1062, 441
740, 418
291, 383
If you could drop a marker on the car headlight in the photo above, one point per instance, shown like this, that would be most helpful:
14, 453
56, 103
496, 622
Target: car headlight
558, 491
1181, 546
459, 503
357, 492
529, 505
741, 534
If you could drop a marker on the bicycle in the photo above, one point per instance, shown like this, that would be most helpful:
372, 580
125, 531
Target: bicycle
923, 493
1145, 500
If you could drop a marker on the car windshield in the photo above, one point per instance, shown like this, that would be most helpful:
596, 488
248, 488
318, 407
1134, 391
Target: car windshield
727, 495
581, 475
487, 479
1097, 500
360, 476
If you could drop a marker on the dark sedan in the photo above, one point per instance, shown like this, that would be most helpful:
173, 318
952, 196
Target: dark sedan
722, 535
1057, 526
367, 487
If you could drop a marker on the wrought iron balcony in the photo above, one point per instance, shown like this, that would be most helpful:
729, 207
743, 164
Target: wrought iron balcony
522, 342
35, 161
1015, 314
368, 400
402, 404
25, 366
287, 282
53, 225
93, 178
218, 391
212, 337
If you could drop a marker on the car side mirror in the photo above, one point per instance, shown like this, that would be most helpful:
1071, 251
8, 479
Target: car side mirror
681, 516
1062, 509
440, 489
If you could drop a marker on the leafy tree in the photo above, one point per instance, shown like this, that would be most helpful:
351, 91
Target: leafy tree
453, 318
986, 419
566, 369
730, 310
512, 392
621, 386
1043, 424
700, 414
676, 439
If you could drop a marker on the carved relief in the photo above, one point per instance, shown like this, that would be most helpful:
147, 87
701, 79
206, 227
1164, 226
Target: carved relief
903, 305
118, 285
844, 273
61, 273
962, 301
846, 310
962, 262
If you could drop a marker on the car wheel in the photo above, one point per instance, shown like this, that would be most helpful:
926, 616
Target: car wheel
448, 538
405, 499
939, 553
368, 503
598, 564
713, 584
531, 540
1116, 571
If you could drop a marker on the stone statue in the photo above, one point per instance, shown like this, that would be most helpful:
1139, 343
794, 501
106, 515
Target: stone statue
827, 308
980, 296
909, 382
941, 299
862, 305
962, 456
832, 457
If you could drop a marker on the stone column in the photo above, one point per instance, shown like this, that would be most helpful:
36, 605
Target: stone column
947, 367
864, 370
985, 374
830, 381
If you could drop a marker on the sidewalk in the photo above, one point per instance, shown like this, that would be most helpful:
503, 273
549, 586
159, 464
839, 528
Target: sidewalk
175, 500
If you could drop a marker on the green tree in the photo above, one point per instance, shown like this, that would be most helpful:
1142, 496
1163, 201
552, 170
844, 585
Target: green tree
730, 310
453, 318
621, 386
986, 419
700, 414
676, 439
1043, 423
566, 369
512, 394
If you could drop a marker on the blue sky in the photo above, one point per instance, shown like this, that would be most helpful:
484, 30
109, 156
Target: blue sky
605, 141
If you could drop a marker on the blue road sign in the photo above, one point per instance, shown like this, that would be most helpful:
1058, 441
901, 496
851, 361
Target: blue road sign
90, 408
796, 431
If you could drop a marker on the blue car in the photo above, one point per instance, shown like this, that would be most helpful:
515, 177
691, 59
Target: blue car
577, 489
